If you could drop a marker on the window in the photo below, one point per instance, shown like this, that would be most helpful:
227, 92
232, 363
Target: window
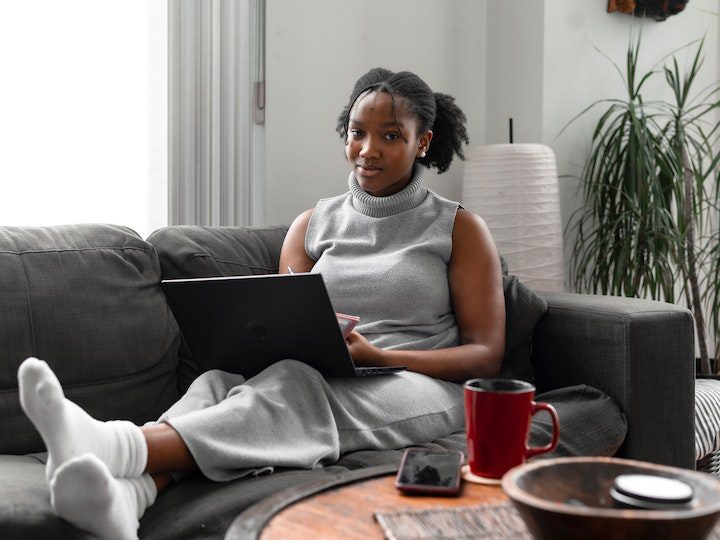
83, 113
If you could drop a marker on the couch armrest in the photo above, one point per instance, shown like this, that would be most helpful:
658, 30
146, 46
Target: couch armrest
640, 352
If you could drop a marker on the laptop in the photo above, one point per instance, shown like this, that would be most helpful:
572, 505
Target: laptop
243, 324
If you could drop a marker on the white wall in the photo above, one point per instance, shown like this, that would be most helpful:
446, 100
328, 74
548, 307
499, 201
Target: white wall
533, 61
514, 71
316, 50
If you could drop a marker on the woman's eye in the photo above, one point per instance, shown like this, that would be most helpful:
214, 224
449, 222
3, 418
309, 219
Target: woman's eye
392, 136
355, 133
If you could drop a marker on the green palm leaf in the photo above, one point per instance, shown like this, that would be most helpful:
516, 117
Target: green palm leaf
651, 192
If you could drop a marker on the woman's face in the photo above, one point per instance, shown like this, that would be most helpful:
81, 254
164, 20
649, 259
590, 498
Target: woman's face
380, 155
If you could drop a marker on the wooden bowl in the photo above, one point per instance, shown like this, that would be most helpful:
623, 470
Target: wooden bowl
566, 498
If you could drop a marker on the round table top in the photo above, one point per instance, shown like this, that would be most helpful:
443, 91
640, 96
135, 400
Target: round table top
348, 511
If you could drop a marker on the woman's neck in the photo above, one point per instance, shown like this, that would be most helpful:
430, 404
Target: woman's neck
407, 198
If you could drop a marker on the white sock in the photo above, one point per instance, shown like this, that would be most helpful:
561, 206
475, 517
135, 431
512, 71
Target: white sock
84, 493
68, 431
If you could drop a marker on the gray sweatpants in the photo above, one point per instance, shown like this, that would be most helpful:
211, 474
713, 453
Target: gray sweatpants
291, 416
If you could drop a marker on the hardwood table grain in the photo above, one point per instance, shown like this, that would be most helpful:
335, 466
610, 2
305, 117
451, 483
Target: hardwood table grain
348, 511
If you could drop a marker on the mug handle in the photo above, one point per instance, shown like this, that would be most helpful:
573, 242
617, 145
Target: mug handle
534, 451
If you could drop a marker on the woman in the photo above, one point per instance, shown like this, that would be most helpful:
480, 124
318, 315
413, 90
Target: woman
422, 273
389, 234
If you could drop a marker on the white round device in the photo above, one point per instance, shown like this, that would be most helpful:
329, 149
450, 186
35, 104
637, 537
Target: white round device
651, 492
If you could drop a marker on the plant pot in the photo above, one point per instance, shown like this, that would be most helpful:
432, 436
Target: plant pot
699, 375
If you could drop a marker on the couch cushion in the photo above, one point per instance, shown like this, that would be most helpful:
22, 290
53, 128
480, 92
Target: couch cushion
25, 510
193, 251
86, 299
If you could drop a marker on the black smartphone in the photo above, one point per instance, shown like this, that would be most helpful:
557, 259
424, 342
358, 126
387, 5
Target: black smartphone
430, 471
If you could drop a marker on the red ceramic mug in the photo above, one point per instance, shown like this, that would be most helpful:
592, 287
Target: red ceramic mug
497, 420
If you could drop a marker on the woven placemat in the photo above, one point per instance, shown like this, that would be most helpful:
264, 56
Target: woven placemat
498, 521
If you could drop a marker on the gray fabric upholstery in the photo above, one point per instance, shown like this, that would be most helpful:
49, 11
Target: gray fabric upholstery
639, 352
25, 510
193, 251
86, 299
523, 309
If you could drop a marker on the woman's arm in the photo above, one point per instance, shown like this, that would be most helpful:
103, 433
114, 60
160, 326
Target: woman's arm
293, 253
478, 301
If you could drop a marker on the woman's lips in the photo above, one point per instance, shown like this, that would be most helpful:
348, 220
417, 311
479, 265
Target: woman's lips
368, 171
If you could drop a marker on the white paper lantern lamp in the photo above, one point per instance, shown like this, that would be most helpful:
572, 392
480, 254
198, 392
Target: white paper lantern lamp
514, 188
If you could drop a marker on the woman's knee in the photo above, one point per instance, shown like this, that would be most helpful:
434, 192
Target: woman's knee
294, 368
215, 383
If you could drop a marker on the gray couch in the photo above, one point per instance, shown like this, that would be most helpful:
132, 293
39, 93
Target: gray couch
87, 300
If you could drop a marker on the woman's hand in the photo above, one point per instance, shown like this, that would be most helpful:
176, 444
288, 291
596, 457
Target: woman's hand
362, 351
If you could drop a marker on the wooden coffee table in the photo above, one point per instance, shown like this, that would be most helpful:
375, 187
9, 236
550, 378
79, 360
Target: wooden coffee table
343, 506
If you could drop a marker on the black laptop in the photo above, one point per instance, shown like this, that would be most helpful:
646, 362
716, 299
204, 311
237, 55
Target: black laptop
243, 324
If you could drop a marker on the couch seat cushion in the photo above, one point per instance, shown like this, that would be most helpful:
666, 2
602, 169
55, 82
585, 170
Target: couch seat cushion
25, 510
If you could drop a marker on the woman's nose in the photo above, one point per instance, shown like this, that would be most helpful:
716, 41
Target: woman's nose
369, 148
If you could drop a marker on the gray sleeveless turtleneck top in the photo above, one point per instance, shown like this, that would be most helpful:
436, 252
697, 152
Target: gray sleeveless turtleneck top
385, 259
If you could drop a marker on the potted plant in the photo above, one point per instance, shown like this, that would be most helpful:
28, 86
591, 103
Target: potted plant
651, 194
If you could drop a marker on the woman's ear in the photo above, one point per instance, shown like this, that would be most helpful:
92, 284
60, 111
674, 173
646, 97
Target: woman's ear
424, 143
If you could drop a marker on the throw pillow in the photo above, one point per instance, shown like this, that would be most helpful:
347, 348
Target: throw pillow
523, 309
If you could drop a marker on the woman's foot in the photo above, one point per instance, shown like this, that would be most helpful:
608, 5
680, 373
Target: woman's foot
68, 431
83, 492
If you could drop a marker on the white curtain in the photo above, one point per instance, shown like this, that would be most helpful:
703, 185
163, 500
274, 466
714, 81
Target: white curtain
210, 112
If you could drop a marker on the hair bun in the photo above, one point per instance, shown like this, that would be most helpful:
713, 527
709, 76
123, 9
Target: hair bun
449, 134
